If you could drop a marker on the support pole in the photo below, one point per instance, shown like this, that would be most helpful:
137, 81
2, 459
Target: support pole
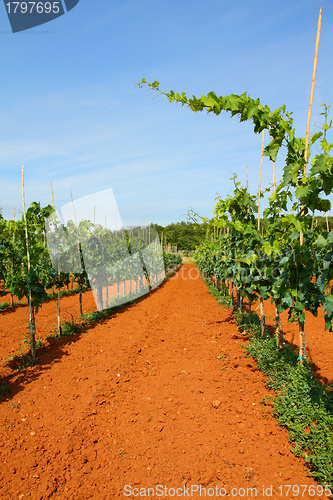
260, 176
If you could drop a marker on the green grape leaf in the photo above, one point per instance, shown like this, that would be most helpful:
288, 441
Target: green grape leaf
315, 137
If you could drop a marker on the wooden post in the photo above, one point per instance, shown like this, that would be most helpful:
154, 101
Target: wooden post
312, 89
278, 327
11, 295
78, 247
52, 194
262, 317
58, 301
247, 186
302, 352
32, 324
273, 172
73, 208
261, 162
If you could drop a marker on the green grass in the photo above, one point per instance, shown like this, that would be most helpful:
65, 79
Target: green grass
300, 403
27, 361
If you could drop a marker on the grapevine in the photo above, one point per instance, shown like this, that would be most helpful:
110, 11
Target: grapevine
291, 263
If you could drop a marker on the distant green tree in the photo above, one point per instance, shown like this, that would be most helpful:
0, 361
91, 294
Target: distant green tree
186, 236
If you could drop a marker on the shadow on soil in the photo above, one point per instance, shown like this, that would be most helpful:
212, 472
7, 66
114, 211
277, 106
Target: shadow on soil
52, 350
10, 309
314, 367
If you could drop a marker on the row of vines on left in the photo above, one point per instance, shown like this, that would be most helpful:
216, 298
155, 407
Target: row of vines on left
30, 274
132, 264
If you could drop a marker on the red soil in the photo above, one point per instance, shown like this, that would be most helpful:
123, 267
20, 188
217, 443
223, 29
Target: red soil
143, 399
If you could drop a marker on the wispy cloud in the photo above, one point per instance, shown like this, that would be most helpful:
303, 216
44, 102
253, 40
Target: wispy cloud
69, 114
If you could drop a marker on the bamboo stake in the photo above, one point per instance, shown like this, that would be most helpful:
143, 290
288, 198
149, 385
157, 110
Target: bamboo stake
78, 247
302, 352
278, 327
247, 186
11, 295
312, 89
273, 171
53, 288
52, 194
32, 324
327, 224
261, 162
262, 317
58, 301
14, 221
73, 208
25, 219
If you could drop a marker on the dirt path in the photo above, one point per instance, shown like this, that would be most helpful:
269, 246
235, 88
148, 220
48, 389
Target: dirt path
145, 399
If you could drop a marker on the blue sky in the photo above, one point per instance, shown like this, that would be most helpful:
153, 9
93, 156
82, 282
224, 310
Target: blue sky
71, 114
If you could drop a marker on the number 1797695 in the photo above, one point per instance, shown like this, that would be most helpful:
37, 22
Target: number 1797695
33, 7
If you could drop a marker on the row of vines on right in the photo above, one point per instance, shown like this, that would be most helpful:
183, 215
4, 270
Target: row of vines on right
289, 260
